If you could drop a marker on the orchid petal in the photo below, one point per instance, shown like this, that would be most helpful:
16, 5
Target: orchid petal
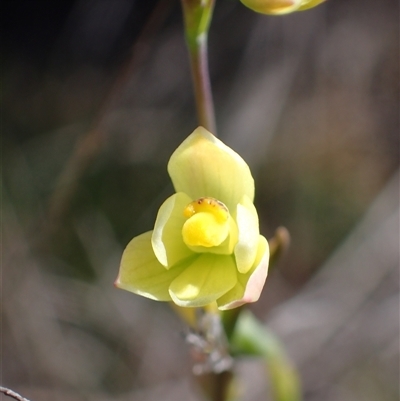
247, 223
141, 272
249, 286
167, 240
203, 229
203, 166
206, 279
226, 248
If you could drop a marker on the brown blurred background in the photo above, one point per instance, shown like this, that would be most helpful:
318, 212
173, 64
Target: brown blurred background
97, 95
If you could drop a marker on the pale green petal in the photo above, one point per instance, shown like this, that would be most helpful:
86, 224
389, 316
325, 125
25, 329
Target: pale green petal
247, 223
204, 166
140, 271
249, 286
205, 280
167, 238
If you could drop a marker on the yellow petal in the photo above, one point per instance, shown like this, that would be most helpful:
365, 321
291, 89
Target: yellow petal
167, 240
207, 278
226, 247
141, 272
203, 166
203, 229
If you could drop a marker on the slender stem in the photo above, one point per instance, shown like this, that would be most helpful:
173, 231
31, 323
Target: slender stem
197, 16
202, 87
213, 365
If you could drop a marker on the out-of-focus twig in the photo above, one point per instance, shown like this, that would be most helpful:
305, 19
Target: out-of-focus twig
90, 144
12, 394
278, 246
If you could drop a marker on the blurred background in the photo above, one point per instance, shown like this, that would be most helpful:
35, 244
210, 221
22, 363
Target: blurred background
96, 94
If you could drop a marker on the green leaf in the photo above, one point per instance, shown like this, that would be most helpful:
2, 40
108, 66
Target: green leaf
252, 338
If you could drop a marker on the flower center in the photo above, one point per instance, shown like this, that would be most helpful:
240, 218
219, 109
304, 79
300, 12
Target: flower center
207, 224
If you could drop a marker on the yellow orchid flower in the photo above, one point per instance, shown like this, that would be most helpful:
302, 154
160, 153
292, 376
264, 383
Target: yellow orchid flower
278, 7
205, 246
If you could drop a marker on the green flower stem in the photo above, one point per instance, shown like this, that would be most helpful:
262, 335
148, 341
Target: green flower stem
197, 17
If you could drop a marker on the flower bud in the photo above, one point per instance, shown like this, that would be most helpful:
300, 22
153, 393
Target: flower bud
278, 7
